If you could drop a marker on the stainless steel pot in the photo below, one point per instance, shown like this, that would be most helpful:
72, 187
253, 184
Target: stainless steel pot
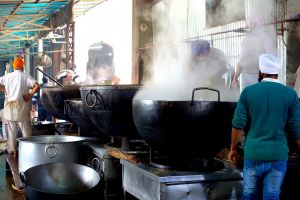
37, 150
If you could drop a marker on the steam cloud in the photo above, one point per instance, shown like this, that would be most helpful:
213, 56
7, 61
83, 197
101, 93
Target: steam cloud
172, 75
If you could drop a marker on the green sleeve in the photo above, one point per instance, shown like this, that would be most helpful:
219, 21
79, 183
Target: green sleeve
240, 117
293, 121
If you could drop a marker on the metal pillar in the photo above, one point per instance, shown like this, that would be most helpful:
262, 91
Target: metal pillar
27, 60
70, 30
40, 50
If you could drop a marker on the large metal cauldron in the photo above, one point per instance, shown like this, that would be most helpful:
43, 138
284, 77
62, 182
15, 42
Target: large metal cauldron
110, 108
60, 181
74, 109
185, 128
37, 150
53, 99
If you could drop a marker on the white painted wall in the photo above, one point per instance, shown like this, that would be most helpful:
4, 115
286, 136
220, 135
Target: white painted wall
110, 22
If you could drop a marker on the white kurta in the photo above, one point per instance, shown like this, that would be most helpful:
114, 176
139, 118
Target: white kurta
16, 110
258, 41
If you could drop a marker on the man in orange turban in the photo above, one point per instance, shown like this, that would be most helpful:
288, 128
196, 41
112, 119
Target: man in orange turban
19, 88
18, 64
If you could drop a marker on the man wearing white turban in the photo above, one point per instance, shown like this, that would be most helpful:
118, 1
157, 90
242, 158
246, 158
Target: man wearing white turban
266, 111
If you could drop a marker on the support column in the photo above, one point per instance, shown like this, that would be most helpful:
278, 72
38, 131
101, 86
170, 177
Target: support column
27, 60
40, 50
70, 40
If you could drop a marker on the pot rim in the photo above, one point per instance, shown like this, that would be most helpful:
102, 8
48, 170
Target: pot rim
178, 101
64, 87
107, 87
30, 139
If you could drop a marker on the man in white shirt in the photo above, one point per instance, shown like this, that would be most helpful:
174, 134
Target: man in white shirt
17, 103
261, 39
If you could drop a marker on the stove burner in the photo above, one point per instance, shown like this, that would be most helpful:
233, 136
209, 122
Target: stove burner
169, 162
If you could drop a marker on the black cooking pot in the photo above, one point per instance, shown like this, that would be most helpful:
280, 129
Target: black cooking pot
74, 109
53, 98
185, 128
42, 127
110, 108
60, 181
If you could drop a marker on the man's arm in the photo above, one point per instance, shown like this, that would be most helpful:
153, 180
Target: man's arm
2, 89
239, 122
235, 137
237, 73
34, 90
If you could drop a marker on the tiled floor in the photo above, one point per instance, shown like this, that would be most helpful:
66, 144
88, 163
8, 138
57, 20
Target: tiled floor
6, 191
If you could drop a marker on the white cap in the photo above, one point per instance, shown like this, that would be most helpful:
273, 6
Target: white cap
269, 64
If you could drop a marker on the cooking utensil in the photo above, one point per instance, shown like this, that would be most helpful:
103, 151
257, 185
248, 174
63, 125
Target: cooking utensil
60, 181
110, 108
184, 128
36, 150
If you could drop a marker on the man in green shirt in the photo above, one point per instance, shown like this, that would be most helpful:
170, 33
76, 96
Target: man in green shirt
268, 112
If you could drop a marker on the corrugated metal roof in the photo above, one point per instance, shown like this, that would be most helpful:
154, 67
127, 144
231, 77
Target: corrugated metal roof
21, 21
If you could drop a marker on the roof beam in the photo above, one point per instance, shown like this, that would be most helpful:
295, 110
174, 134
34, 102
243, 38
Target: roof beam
30, 23
26, 15
15, 2
26, 30
14, 28
12, 13
11, 40
5, 34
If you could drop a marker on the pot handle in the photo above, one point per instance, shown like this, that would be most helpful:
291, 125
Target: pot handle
95, 164
66, 105
23, 179
51, 150
35, 121
204, 88
91, 92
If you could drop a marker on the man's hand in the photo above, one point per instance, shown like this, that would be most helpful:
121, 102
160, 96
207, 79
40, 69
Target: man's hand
234, 83
27, 97
233, 156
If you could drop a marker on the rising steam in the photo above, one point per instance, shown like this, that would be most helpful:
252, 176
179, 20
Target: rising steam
173, 76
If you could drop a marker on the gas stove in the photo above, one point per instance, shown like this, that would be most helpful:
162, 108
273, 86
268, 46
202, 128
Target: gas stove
146, 182
109, 169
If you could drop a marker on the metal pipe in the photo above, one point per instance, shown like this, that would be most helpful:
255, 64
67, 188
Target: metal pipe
58, 83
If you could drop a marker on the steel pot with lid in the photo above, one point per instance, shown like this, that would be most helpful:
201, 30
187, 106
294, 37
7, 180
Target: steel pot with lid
36, 150
60, 181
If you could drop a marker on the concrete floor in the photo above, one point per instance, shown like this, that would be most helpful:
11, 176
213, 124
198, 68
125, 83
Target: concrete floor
6, 191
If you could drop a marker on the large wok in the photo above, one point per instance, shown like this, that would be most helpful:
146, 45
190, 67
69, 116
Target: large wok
74, 109
53, 98
110, 108
185, 128
60, 181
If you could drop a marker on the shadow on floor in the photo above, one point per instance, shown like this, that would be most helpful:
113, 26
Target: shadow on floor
6, 181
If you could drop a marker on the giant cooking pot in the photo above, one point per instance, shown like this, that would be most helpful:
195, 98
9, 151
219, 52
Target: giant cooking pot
74, 109
60, 181
184, 128
36, 150
53, 98
110, 108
